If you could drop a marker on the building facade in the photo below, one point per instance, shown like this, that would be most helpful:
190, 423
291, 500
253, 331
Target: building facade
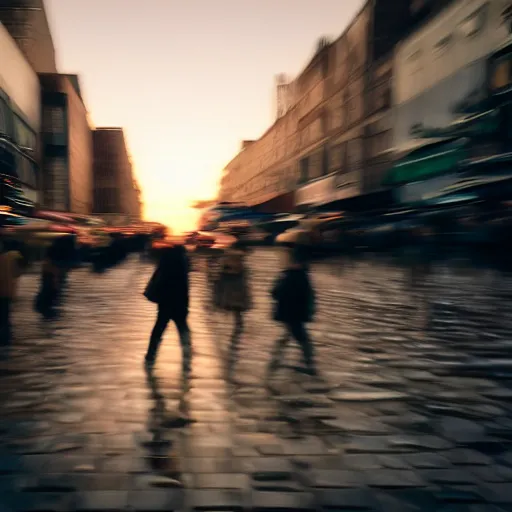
27, 23
347, 105
266, 172
336, 118
67, 146
443, 65
115, 190
20, 122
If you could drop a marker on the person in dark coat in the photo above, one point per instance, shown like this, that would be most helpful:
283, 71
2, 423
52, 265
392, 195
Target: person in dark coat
169, 289
294, 307
50, 289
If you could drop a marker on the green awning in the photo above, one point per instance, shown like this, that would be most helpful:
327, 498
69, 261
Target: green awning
426, 163
479, 124
469, 183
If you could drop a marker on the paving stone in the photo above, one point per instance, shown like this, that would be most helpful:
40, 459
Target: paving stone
101, 501
271, 501
499, 493
394, 479
36, 502
221, 481
156, 500
366, 396
336, 479
449, 476
214, 500
468, 457
427, 460
461, 431
271, 469
346, 499
457, 496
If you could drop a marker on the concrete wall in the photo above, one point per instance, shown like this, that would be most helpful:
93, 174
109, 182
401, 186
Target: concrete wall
68, 165
80, 153
19, 81
115, 191
27, 23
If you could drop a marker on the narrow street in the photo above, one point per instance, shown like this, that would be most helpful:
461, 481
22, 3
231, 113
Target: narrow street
414, 411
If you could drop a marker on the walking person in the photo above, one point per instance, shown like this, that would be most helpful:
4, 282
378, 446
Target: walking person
169, 289
294, 307
232, 293
10, 271
51, 283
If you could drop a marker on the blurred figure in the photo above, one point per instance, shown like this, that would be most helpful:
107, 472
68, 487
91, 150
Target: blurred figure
294, 307
10, 271
51, 283
169, 289
66, 257
232, 292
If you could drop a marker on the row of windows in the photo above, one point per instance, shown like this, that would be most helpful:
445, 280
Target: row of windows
15, 127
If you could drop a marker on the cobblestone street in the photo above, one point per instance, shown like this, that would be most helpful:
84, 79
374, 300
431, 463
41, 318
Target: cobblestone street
413, 413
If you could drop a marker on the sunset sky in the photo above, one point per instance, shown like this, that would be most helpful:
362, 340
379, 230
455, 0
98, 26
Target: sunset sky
187, 79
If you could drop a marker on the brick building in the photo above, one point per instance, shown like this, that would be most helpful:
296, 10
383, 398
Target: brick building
28, 25
115, 190
331, 142
67, 159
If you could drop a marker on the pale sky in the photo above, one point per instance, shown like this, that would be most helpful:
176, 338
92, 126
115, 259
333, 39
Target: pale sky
187, 79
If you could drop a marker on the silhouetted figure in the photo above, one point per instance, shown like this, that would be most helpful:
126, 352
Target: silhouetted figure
294, 307
51, 283
10, 271
232, 292
169, 289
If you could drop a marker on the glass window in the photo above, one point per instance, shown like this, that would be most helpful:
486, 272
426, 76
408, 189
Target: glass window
475, 22
501, 73
4, 116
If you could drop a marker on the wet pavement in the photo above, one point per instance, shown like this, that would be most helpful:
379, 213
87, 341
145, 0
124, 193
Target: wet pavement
414, 411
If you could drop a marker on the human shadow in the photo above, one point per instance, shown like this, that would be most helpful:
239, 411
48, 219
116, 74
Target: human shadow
161, 447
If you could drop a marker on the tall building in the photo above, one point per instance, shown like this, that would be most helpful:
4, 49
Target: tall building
334, 132
115, 190
20, 120
67, 158
28, 25
440, 71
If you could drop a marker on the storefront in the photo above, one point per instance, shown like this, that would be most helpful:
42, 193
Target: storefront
335, 187
20, 123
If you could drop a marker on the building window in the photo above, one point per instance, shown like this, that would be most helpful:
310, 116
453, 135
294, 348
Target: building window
441, 47
304, 170
475, 22
54, 120
325, 161
4, 117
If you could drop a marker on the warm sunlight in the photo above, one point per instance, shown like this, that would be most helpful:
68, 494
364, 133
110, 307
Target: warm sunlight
184, 93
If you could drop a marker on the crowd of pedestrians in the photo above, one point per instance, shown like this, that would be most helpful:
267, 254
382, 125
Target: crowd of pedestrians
60, 258
293, 296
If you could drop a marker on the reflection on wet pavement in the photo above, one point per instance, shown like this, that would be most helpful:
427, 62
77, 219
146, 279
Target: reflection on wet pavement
414, 411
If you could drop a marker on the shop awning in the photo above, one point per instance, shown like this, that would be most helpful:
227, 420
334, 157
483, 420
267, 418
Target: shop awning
478, 124
427, 162
501, 159
470, 183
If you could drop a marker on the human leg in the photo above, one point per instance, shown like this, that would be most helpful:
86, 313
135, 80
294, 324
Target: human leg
186, 345
162, 320
301, 335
